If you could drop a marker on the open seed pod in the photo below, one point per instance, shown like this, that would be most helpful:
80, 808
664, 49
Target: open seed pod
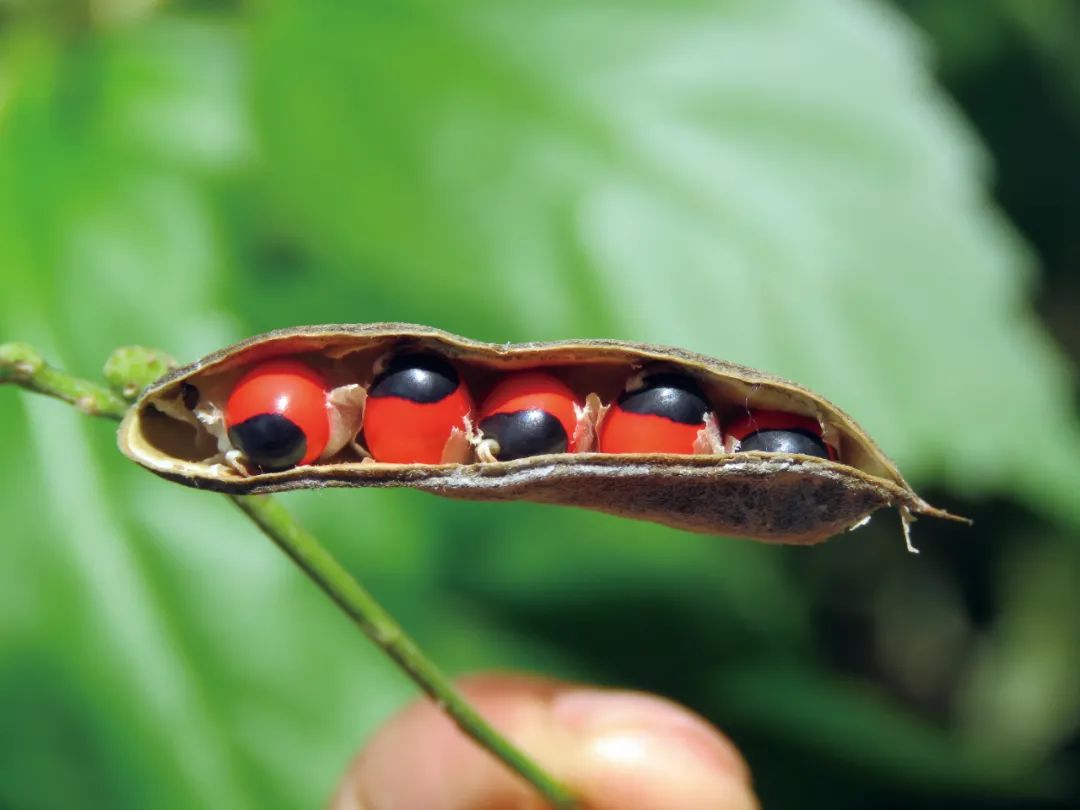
177, 430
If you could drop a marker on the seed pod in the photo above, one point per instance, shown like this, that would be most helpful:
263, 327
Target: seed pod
779, 497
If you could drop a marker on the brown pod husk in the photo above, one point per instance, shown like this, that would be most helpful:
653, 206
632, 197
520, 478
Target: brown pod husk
774, 497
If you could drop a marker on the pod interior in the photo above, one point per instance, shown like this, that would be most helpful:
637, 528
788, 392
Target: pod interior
177, 417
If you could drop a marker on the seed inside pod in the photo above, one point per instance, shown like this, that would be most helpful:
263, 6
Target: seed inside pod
778, 432
521, 434
413, 406
785, 441
276, 415
528, 414
664, 415
271, 441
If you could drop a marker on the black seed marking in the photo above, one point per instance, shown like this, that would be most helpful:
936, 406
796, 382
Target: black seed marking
525, 433
671, 396
270, 441
421, 378
189, 395
786, 441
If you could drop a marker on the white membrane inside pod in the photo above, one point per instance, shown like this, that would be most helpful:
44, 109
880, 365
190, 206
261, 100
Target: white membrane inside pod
588, 420
346, 408
710, 439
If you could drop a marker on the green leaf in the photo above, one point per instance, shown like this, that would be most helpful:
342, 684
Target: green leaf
775, 183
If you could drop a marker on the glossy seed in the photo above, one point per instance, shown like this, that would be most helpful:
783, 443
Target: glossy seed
785, 441
413, 408
671, 396
270, 441
664, 415
525, 433
422, 378
291, 390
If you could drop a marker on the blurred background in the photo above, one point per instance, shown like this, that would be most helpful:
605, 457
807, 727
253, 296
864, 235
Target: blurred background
878, 200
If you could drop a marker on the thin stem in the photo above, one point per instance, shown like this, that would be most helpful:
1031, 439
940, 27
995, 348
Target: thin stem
22, 365
380, 627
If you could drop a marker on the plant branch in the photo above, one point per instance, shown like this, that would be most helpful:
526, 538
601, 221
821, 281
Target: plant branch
380, 627
128, 370
24, 366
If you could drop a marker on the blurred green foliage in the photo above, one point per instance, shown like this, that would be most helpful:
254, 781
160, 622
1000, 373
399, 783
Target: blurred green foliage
781, 184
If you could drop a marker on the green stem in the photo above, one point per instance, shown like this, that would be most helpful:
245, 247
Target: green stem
380, 627
22, 365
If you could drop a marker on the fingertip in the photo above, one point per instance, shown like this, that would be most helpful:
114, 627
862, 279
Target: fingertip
596, 711
614, 749
639, 750
420, 760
